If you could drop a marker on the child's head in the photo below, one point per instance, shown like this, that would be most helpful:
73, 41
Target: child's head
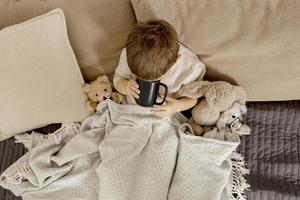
152, 48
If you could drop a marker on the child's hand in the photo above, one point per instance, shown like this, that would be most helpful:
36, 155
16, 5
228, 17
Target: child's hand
132, 88
166, 110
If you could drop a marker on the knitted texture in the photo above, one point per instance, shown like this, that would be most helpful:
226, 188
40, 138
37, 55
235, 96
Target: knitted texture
122, 152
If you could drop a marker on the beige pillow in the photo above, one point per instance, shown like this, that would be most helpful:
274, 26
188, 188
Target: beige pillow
40, 80
255, 44
97, 28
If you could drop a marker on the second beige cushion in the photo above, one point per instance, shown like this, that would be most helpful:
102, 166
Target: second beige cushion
40, 80
97, 28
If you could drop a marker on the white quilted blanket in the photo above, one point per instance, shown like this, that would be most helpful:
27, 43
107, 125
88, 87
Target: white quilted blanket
123, 153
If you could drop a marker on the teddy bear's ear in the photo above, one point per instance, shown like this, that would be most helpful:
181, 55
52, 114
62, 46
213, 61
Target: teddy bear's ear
102, 78
86, 88
240, 93
243, 108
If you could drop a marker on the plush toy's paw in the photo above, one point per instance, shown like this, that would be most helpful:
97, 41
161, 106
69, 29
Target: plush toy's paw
196, 127
245, 129
92, 105
231, 136
117, 97
239, 128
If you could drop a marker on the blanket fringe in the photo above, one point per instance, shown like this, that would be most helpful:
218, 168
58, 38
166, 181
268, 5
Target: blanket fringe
239, 183
31, 140
24, 139
16, 176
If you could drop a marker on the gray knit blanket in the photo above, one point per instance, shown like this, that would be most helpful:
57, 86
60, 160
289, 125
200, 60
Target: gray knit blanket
122, 152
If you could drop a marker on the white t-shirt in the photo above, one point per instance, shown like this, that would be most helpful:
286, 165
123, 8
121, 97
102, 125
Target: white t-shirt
186, 69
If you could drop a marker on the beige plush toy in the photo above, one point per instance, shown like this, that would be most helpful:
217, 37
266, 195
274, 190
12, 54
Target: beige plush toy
99, 90
229, 125
215, 97
232, 114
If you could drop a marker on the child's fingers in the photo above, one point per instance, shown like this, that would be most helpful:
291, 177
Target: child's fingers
134, 94
155, 109
135, 89
134, 83
158, 107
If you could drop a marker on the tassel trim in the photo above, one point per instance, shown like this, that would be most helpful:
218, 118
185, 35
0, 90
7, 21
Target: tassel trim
33, 139
15, 177
238, 183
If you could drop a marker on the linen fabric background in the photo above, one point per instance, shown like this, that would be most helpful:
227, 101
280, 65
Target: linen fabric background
97, 29
254, 44
250, 43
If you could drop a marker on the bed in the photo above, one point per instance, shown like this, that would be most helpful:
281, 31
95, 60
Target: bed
271, 151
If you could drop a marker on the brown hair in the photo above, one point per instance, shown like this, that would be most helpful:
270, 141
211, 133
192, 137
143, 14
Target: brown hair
152, 48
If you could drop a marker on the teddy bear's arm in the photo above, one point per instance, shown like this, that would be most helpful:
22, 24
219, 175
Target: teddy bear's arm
92, 105
117, 97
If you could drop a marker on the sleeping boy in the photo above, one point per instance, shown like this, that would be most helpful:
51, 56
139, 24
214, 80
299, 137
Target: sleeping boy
152, 52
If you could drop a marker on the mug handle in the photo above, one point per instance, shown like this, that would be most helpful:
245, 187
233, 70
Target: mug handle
165, 96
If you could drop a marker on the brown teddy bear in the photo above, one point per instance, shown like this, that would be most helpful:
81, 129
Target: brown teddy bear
100, 90
215, 98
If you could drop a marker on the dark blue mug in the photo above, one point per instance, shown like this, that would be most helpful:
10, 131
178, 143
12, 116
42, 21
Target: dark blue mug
149, 93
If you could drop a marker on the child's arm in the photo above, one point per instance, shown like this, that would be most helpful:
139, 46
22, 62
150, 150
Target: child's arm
173, 105
127, 87
123, 81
